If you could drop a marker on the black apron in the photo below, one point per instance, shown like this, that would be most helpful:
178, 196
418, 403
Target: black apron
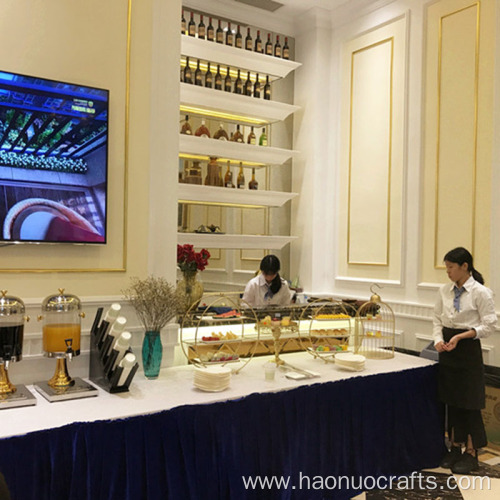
461, 373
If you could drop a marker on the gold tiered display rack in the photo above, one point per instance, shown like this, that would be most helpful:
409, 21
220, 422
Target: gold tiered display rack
375, 329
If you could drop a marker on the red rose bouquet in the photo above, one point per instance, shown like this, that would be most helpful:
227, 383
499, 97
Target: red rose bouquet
190, 261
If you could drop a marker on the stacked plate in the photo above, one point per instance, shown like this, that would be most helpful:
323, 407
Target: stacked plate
350, 361
212, 379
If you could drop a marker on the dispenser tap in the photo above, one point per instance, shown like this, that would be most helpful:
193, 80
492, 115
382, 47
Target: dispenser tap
69, 348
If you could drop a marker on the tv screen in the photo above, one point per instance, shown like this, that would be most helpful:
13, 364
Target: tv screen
53, 160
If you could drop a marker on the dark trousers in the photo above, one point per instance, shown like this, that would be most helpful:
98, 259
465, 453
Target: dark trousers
462, 423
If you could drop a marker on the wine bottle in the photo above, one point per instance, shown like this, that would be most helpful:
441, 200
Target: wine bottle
219, 35
248, 40
201, 28
209, 80
198, 75
229, 35
221, 134
238, 39
267, 89
188, 75
248, 85
220, 181
258, 43
218, 79
263, 137
202, 130
210, 31
277, 47
238, 84
252, 139
227, 81
192, 26
186, 127
269, 45
256, 86
240, 182
183, 24
253, 184
228, 178
286, 49
238, 136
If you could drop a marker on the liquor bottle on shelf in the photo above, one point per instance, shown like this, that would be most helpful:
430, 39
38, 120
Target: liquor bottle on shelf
192, 26
210, 31
188, 75
263, 137
240, 181
186, 127
256, 86
229, 35
238, 136
258, 43
228, 178
198, 75
277, 47
212, 177
286, 49
269, 45
248, 40
267, 89
209, 79
238, 39
201, 28
218, 79
238, 84
253, 184
183, 24
202, 130
227, 81
220, 180
221, 134
219, 34
248, 85
252, 138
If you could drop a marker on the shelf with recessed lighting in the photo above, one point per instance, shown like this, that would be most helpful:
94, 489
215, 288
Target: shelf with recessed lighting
234, 241
236, 58
235, 107
222, 196
202, 148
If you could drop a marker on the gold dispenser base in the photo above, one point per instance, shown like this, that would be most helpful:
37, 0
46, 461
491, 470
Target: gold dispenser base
61, 376
6, 387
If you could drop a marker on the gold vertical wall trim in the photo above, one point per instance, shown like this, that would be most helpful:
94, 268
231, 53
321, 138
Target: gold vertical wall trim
125, 178
438, 123
371, 46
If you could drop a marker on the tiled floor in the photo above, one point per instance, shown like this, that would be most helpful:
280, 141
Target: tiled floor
484, 484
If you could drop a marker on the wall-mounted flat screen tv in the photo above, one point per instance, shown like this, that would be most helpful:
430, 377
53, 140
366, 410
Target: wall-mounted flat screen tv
53, 160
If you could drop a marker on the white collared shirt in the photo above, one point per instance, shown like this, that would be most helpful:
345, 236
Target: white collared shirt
256, 289
477, 310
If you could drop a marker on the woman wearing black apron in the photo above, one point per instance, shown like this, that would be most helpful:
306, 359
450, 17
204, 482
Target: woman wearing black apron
464, 313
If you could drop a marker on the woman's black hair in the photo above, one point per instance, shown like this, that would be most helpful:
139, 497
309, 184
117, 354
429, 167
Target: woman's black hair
460, 256
270, 264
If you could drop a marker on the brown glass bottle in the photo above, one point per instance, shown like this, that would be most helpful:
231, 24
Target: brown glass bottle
252, 138
198, 75
238, 136
188, 75
227, 81
183, 24
210, 31
258, 43
286, 49
269, 45
277, 47
186, 127
248, 40
240, 181
238, 39
209, 79
253, 184
219, 34
202, 131
192, 26
229, 35
201, 29
256, 87
267, 89
228, 178
221, 134
248, 85
238, 84
218, 79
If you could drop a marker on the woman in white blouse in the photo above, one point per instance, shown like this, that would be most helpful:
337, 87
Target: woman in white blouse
464, 313
268, 288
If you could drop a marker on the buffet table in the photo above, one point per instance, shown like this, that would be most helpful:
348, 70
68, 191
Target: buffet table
167, 440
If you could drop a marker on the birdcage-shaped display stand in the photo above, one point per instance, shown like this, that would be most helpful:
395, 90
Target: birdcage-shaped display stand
229, 338
375, 329
331, 328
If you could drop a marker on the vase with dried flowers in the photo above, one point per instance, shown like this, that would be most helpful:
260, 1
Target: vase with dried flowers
156, 302
190, 262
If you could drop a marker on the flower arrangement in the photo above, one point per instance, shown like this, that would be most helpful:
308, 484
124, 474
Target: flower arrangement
155, 301
190, 261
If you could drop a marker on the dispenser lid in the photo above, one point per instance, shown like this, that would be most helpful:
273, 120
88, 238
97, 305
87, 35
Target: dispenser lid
10, 306
63, 302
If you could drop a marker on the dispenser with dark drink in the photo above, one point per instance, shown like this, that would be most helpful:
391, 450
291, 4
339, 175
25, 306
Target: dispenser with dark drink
61, 316
12, 318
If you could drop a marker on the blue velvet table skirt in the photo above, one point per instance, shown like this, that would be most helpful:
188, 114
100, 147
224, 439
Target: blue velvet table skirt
379, 425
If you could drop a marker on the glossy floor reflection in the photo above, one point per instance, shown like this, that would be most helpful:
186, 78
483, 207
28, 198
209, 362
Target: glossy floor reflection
439, 484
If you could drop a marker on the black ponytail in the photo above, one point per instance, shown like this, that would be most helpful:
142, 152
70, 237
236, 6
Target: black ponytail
459, 256
270, 264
